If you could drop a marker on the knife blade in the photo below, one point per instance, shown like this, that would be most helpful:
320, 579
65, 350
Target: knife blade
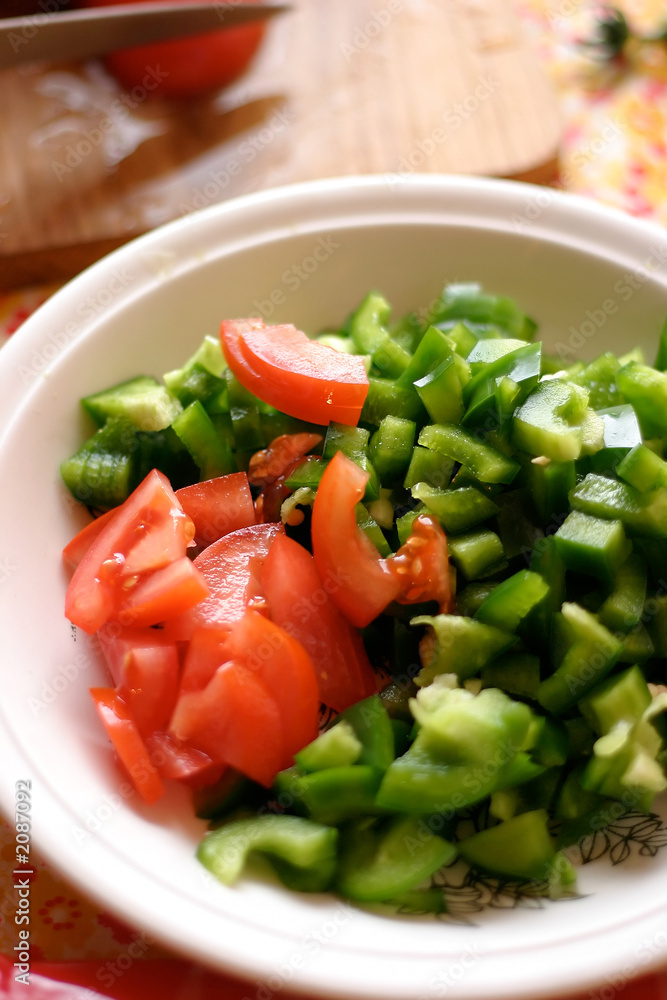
80, 34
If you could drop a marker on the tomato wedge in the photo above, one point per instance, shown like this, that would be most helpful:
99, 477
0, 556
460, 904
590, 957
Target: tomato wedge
218, 506
362, 585
235, 721
75, 550
206, 651
299, 376
422, 565
231, 568
145, 669
162, 595
145, 533
180, 762
284, 667
128, 744
301, 604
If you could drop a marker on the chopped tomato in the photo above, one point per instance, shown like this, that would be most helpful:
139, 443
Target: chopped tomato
75, 550
162, 595
364, 583
145, 532
279, 458
180, 762
282, 664
218, 506
128, 744
422, 565
301, 604
206, 651
145, 668
299, 376
234, 720
231, 568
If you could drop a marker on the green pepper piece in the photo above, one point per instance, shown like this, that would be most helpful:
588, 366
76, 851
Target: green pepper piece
486, 353
624, 606
386, 397
467, 301
520, 847
368, 323
590, 653
212, 455
104, 471
244, 410
599, 379
592, 545
549, 422
390, 447
197, 383
380, 861
456, 510
509, 603
353, 442
621, 698
458, 645
335, 747
337, 794
372, 529
307, 848
646, 389
457, 727
372, 727
417, 784
485, 462
429, 467
142, 401
661, 357
641, 513
477, 553
441, 390
643, 469
389, 358
550, 486
307, 475
516, 673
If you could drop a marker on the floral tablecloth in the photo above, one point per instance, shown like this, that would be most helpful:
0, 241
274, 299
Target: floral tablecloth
614, 149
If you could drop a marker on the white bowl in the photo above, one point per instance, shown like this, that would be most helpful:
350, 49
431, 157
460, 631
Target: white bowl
593, 278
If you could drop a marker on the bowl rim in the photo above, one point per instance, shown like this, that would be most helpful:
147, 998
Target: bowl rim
380, 199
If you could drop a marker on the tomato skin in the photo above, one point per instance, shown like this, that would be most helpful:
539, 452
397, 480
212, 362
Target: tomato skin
422, 565
283, 666
75, 550
184, 67
341, 550
218, 506
299, 376
144, 532
231, 569
235, 721
128, 744
301, 604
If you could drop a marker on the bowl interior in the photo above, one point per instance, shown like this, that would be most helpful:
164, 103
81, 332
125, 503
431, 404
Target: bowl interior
593, 280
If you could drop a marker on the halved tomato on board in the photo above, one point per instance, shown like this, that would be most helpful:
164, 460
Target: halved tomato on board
299, 376
301, 603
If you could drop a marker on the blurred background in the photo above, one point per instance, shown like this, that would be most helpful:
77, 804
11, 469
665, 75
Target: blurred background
563, 92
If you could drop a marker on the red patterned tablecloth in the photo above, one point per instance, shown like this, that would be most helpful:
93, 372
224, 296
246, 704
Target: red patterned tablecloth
614, 149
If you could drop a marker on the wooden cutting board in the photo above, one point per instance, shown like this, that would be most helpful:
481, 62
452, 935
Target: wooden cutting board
339, 87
